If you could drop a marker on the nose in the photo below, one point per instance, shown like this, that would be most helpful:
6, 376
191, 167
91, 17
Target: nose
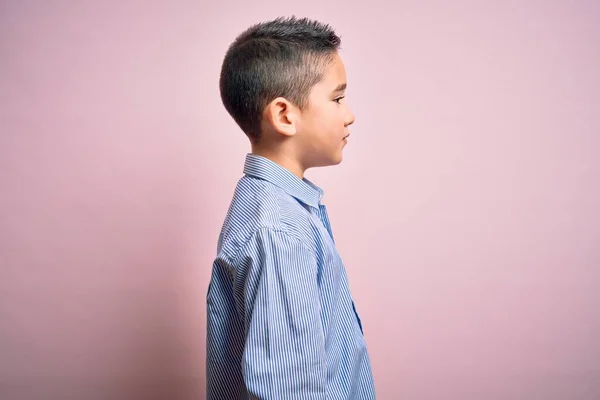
349, 118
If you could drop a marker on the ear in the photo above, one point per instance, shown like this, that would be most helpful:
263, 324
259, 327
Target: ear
282, 115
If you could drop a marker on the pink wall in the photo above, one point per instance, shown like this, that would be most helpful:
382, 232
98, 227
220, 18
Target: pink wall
466, 208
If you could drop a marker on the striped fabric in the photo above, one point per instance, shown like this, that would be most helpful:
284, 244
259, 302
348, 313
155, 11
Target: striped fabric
281, 321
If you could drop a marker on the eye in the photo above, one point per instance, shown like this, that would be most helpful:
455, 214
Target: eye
337, 100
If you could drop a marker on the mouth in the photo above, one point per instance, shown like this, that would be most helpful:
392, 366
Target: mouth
345, 137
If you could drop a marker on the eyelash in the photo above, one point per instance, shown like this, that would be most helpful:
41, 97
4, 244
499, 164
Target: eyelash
339, 99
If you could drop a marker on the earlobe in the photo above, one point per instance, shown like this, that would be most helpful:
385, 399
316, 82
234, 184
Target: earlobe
281, 115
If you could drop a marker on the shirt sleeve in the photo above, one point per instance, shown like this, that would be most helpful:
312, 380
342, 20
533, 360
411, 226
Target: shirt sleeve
284, 351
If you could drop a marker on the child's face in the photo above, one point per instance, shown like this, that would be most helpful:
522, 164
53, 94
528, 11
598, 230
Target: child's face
323, 125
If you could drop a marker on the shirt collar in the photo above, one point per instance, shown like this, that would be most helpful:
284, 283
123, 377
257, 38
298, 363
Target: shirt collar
301, 189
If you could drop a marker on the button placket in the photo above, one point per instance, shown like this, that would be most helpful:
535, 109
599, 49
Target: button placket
325, 219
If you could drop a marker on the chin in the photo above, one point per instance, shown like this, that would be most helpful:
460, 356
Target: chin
327, 161
337, 160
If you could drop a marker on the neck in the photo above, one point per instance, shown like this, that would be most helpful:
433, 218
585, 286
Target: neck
280, 157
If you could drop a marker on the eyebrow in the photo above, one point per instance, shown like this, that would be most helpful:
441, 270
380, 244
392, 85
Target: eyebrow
340, 88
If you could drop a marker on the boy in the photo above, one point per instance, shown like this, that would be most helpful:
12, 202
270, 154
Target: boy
281, 321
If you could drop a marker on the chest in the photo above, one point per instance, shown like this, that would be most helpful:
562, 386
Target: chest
337, 304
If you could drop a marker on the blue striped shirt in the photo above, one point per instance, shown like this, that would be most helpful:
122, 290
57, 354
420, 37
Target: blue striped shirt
281, 321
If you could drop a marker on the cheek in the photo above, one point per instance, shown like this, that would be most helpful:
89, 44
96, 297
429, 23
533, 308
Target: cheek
333, 116
325, 123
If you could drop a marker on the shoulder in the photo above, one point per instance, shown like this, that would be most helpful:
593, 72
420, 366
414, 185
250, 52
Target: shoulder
259, 209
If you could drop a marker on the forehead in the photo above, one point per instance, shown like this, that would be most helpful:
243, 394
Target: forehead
335, 72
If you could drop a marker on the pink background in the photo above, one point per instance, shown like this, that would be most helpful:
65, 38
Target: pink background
466, 208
